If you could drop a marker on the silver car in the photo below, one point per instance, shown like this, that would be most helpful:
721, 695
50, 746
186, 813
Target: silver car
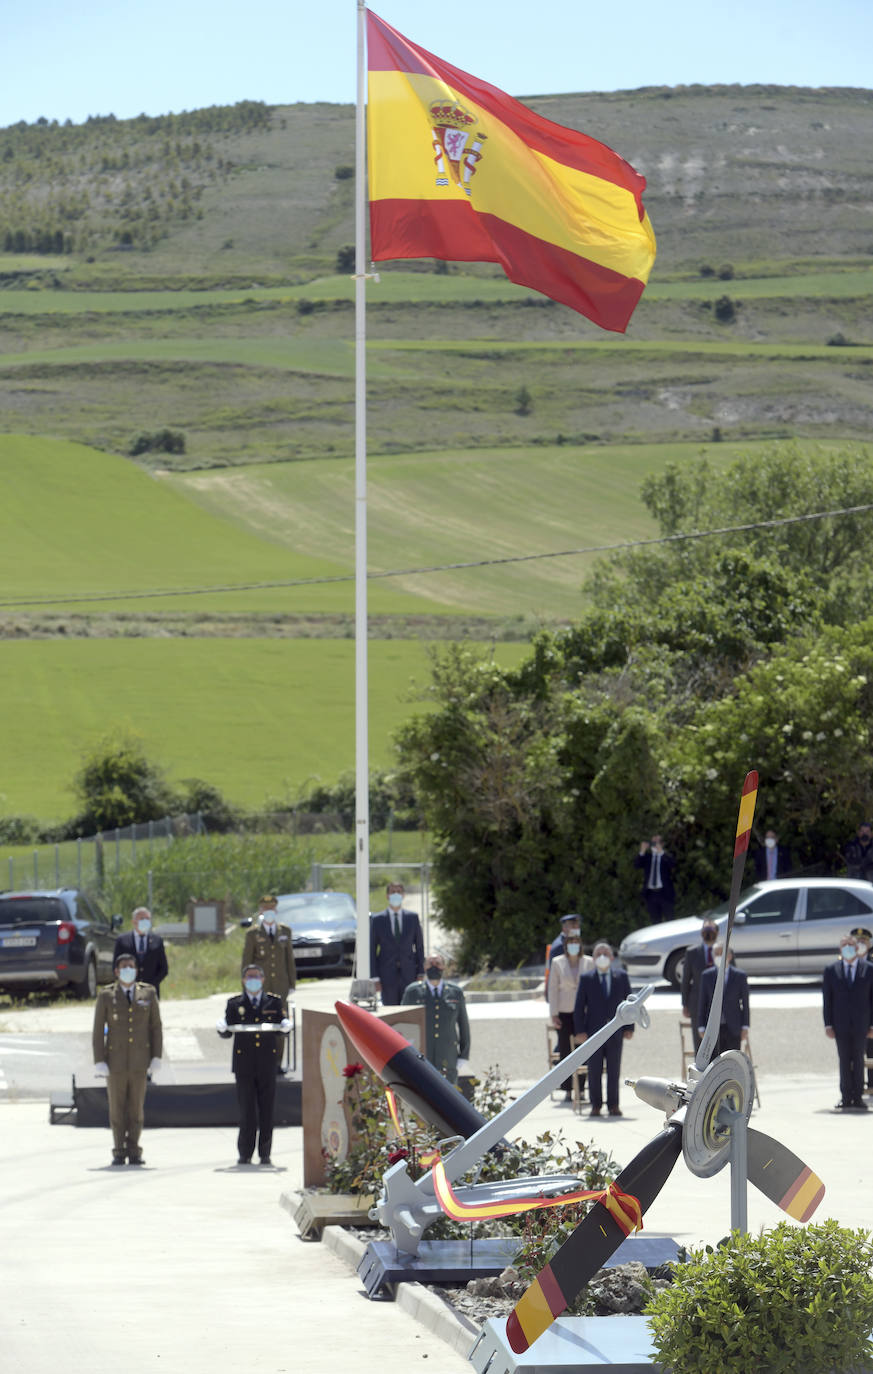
784, 926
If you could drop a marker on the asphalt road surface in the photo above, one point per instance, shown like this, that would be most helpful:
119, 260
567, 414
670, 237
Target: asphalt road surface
43, 1044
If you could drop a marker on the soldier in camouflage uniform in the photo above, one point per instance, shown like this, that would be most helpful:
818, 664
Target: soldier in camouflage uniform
127, 1042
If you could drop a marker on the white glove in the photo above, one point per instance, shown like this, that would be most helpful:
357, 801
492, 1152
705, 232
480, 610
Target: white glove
284, 1025
221, 1025
101, 1070
463, 1067
154, 1066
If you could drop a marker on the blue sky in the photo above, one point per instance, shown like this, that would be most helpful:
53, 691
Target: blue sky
104, 57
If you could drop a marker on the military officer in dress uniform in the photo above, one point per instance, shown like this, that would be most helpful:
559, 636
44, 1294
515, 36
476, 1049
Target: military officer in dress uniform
255, 1057
128, 1043
268, 944
447, 1028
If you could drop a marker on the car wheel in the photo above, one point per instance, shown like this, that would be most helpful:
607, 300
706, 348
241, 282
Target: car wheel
673, 968
87, 989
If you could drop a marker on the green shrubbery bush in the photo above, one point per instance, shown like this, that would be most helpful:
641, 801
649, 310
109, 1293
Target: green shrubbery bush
794, 1300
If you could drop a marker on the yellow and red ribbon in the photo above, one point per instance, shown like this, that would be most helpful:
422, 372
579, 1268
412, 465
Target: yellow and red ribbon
623, 1207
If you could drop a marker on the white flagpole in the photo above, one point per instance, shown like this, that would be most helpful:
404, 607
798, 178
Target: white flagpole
362, 780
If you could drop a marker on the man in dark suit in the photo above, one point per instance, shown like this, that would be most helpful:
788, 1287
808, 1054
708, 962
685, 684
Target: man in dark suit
847, 998
734, 1027
659, 893
146, 948
772, 859
858, 853
396, 947
698, 958
255, 1056
597, 998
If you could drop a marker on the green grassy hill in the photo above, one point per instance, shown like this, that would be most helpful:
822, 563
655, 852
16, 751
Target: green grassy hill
182, 273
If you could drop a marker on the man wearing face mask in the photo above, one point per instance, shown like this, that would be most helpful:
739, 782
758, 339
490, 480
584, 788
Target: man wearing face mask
565, 970
146, 947
127, 1044
597, 998
657, 865
254, 1060
447, 1028
396, 947
269, 945
847, 997
772, 859
698, 957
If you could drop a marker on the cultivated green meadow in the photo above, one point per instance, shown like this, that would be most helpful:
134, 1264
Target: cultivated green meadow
258, 718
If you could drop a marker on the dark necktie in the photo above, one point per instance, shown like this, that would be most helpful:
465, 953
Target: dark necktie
604, 983
708, 957
396, 923
141, 941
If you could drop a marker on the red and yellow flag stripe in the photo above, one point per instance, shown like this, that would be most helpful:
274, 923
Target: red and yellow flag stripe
746, 814
623, 1208
459, 170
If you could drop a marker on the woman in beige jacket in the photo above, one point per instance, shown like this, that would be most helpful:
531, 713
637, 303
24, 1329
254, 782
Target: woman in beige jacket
564, 973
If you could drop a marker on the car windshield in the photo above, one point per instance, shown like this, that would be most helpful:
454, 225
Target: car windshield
329, 909
25, 911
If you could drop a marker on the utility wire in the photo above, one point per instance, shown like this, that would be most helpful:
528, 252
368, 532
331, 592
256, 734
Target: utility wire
155, 593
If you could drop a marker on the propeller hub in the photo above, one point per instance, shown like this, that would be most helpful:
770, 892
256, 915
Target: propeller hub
723, 1090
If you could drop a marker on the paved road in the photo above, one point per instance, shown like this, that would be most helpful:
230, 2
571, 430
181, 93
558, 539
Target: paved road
43, 1045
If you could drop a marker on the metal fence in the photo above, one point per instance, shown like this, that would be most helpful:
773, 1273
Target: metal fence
85, 862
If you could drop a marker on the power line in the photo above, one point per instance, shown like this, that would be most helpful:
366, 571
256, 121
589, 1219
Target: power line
157, 593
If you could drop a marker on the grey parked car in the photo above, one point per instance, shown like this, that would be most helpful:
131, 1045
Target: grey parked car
783, 926
55, 939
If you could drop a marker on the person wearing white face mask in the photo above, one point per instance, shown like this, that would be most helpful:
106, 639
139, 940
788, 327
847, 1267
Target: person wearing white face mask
565, 971
772, 859
396, 947
146, 947
847, 1004
597, 999
256, 1054
127, 1042
269, 944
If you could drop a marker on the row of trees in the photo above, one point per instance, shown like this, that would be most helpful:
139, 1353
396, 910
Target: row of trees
691, 663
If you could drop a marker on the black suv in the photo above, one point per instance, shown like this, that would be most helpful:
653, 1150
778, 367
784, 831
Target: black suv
55, 939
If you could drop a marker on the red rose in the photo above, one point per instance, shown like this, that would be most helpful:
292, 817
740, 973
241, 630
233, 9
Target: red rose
396, 1155
352, 1070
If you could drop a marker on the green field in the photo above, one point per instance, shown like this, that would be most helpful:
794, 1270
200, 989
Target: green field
395, 286
258, 718
75, 522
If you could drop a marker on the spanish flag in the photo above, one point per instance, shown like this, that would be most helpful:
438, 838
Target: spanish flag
460, 171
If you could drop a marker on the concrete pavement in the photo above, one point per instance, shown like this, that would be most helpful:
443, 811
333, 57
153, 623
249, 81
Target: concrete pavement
191, 1263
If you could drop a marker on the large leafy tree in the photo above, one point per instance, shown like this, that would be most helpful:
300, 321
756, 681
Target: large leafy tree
691, 662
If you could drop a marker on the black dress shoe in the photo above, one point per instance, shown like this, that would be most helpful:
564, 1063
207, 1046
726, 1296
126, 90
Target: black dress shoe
595, 1111
136, 1159
842, 1106
118, 1159
267, 1161
615, 1111
244, 1161
860, 1106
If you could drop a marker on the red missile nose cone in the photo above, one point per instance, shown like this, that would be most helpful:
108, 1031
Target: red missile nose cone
375, 1041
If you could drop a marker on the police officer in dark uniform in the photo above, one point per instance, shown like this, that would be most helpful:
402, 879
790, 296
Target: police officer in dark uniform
255, 1056
447, 1027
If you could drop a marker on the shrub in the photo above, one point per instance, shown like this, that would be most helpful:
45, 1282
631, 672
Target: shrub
345, 259
343, 172
794, 1298
725, 310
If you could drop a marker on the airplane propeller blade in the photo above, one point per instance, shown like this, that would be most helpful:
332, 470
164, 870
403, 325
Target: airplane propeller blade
741, 845
782, 1177
597, 1236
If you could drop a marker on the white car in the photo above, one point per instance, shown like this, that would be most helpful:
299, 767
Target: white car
784, 926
